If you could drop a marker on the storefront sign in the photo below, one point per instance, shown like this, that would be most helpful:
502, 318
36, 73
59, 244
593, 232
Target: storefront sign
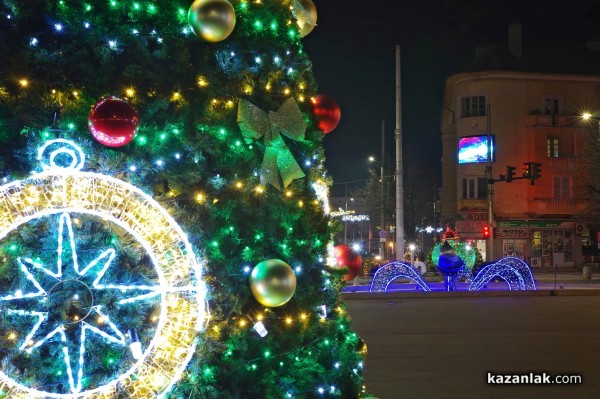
470, 228
536, 224
512, 233
475, 216
472, 205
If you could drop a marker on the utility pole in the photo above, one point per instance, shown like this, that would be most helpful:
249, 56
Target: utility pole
381, 202
399, 170
490, 240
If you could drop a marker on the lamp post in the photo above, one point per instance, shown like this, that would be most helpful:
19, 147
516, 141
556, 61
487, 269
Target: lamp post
412, 254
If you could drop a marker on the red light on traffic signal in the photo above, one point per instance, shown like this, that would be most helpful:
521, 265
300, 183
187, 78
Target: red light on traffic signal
486, 231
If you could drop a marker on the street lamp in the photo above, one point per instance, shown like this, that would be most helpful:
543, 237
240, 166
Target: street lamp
412, 254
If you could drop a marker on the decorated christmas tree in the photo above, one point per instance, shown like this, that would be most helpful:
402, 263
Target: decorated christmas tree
163, 214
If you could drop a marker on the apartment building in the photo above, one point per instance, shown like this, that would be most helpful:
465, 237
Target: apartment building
520, 104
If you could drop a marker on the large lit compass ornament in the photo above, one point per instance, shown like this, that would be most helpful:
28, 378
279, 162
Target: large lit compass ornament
78, 304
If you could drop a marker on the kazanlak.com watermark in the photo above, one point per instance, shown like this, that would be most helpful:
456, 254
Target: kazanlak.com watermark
532, 378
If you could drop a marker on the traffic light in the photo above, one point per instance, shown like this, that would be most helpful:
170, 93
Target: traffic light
536, 170
486, 231
532, 171
510, 173
526, 170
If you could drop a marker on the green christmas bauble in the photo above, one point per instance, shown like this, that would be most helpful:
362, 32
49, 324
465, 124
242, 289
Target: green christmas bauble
273, 282
212, 20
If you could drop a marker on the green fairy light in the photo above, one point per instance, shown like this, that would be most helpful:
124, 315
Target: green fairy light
238, 143
13, 247
181, 12
71, 126
267, 354
258, 24
136, 6
88, 7
281, 364
163, 136
326, 342
151, 9
142, 140
274, 25
215, 244
243, 5
176, 131
113, 3
253, 367
222, 132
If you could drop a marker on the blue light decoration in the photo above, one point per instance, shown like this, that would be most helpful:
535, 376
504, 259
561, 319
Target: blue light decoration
513, 270
60, 191
389, 272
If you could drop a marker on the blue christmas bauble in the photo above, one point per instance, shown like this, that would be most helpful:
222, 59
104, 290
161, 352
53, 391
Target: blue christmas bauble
450, 262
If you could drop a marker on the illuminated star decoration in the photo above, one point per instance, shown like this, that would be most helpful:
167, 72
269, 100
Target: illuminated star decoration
68, 277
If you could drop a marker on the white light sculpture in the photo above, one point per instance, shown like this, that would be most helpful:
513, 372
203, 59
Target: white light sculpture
61, 190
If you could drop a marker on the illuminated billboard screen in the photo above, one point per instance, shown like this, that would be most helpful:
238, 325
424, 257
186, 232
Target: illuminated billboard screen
474, 149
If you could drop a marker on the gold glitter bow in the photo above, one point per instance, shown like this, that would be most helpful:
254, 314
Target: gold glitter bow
278, 160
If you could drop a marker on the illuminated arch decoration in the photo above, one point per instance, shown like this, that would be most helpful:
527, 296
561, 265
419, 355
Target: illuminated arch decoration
512, 270
389, 272
60, 190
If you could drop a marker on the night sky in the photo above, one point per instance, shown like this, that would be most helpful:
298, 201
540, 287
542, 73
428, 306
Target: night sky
352, 50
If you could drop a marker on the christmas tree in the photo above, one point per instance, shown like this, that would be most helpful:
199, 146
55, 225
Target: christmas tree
163, 215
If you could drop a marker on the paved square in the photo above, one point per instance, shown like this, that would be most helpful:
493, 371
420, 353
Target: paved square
442, 348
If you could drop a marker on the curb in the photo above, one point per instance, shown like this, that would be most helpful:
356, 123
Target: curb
462, 294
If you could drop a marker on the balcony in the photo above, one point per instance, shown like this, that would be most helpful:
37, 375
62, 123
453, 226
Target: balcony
554, 121
561, 164
562, 205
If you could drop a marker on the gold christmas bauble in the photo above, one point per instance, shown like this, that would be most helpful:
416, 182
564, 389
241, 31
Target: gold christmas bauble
212, 20
305, 13
273, 282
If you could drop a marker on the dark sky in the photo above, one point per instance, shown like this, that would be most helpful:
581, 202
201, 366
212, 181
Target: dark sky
352, 50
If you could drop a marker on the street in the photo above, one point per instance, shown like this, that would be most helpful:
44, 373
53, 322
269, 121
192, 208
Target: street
444, 347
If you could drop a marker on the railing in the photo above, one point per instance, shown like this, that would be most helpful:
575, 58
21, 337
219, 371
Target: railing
562, 204
553, 121
561, 164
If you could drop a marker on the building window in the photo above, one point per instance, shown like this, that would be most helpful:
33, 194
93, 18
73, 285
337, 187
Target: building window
474, 188
473, 106
552, 147
562, 187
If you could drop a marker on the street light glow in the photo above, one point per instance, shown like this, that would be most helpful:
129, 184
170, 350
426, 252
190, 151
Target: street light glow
411, 247
586, 116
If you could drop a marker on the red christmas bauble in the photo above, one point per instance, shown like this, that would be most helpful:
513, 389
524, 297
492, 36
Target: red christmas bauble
346, 257
326, 111
113, 121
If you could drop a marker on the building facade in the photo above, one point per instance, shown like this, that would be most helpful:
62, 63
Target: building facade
496, 119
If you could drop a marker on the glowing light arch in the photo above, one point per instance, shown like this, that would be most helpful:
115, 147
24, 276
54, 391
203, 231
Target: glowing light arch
64, 189
389, 272
513, 270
